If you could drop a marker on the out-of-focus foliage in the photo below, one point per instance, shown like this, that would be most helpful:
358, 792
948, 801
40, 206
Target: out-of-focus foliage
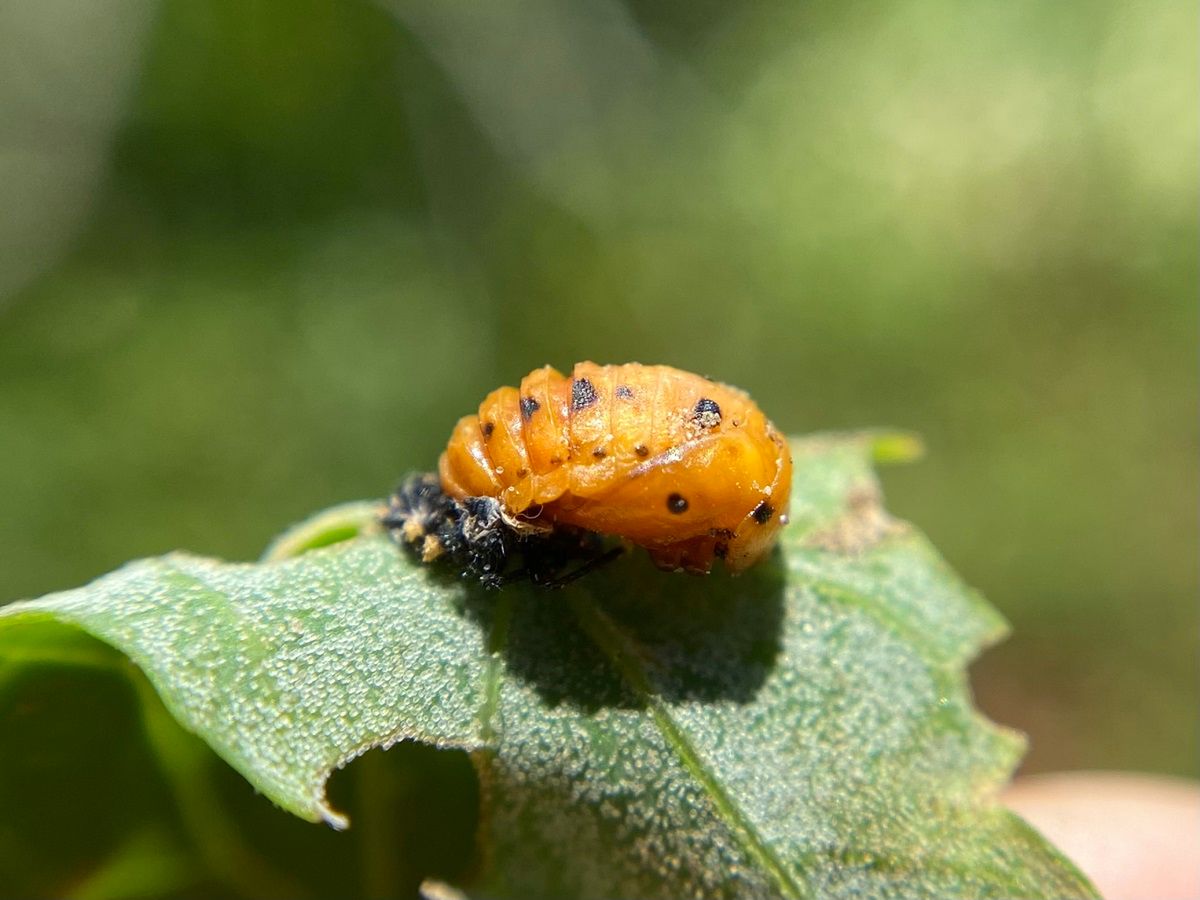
313, 234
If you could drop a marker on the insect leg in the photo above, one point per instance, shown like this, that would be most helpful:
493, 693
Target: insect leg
591, 565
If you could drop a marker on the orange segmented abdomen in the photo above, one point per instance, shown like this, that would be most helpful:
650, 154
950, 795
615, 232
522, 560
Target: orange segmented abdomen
612, 418
628, 418
545, 412
630, 394
504, 437
589, 427
465, 468
516, 447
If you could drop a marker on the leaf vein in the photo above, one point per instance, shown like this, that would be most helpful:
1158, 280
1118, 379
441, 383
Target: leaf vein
617, 646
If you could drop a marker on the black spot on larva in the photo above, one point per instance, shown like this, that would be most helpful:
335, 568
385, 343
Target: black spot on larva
707, 414
488, 428
556, 460
720, 549
528, 407
642, 450
763, 512
522, 472
625, 392
677, 503
583, 394
599, 453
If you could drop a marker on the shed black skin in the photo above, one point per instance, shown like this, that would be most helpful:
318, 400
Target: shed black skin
475, 537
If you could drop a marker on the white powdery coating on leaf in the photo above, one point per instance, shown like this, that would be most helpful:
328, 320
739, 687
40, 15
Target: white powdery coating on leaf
803, 730
290, 669
609, 780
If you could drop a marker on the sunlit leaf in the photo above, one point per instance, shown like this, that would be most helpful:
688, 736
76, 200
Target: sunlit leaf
804, 730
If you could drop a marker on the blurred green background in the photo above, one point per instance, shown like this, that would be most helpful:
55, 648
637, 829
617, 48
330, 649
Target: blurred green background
256, 258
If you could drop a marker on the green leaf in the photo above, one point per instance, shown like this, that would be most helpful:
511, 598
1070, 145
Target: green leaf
804, 730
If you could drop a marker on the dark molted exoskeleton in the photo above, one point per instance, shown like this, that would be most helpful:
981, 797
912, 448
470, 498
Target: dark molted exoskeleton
476, 538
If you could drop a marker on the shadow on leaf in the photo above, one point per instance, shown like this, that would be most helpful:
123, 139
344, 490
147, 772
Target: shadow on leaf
714, 638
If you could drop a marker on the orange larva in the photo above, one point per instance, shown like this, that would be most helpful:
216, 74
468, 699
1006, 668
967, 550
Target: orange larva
687, 468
